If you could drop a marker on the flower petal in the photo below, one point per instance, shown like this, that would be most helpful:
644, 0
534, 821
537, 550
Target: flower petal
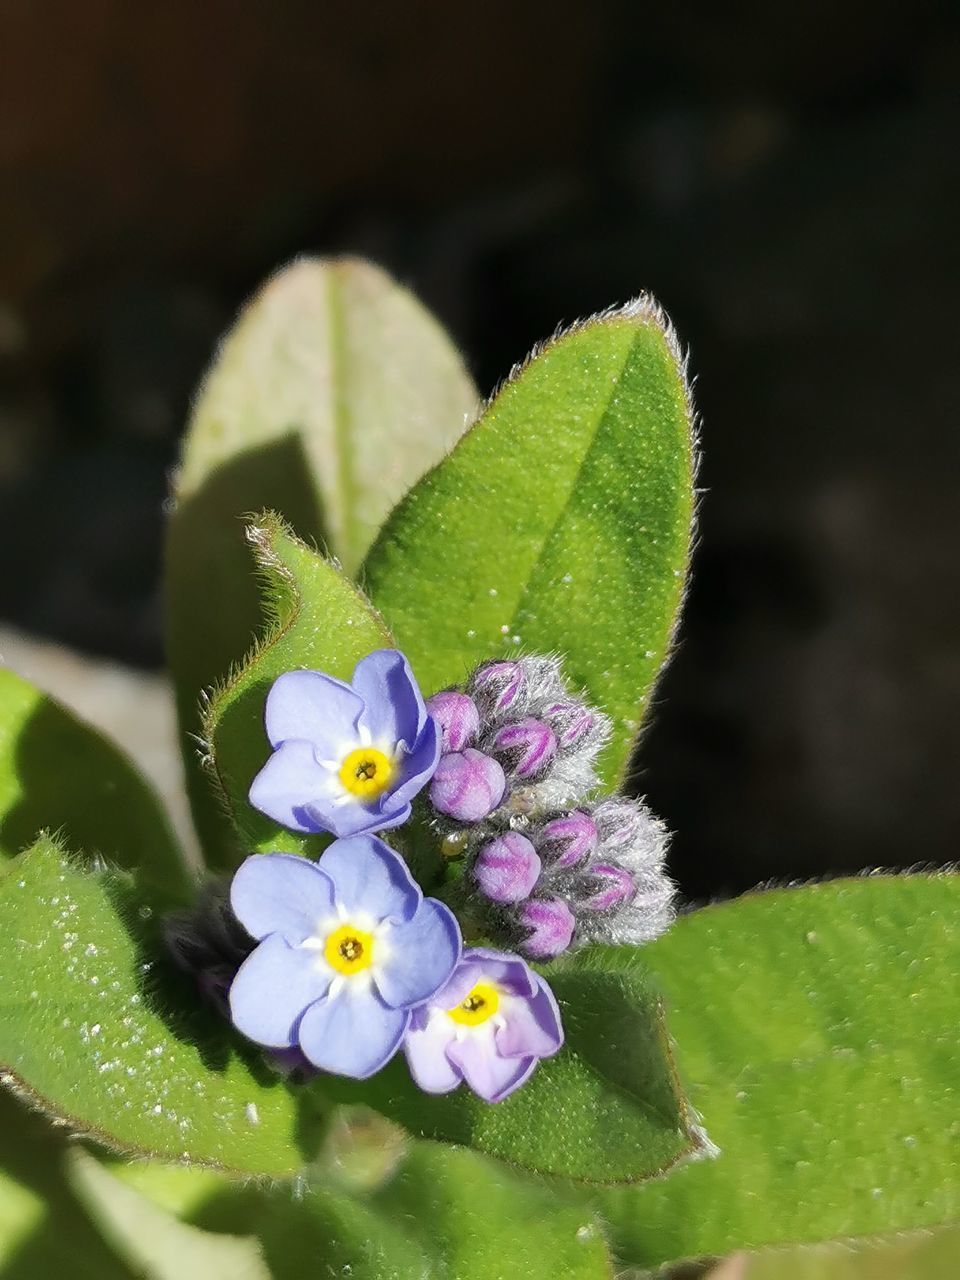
503, 968
272, 988
354, 1034
313, 707
394, 709
418, 765
425, 1048
422, 955
347, 817
485, 1071
292, 787
532, 1025
280, 893
368, 876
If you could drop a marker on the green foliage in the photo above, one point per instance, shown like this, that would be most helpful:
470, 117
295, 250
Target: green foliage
561, 521
332, 394
85, 1030
86, 1034
43, 1230
817, 1036
56, 771
318, 620
607, 1108
445, 1213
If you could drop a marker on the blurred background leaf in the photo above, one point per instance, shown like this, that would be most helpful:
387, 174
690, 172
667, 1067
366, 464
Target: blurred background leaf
444, 1214
335, 390
57, 773
560, 523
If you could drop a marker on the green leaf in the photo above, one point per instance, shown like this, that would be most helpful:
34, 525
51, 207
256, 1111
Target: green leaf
445, 1214
332, 394
319, 620
57, 772
561, 521
914, 1255
817, 1034
97, 1032
607, 1108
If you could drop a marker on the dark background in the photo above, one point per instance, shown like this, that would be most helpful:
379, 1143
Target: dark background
785, 178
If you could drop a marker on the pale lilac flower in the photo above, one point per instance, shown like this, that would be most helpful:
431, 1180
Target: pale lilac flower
348, 758
489, 1026
348, 947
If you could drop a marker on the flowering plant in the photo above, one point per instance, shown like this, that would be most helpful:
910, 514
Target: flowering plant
405, 1008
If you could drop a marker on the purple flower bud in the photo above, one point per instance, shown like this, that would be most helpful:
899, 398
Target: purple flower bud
569, 840
619, 821
500, 683
458, 718
610, 887
571, 721
467, 785
530, 744
507, 868
550, 923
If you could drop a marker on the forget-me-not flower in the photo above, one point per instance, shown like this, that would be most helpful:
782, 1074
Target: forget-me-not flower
490, 1026
348, 758
348, 947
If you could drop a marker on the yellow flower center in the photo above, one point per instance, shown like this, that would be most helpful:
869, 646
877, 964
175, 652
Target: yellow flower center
366, 772
348, 949
482, 1003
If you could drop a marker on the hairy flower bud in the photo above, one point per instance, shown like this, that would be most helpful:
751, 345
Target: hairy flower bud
570, 721
467, 785
209, 943
607, 887
549, 925
497, 685
567, 841
526, 747
458, 718
506, 869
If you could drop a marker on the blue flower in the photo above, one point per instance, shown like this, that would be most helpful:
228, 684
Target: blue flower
348, 758
348, 947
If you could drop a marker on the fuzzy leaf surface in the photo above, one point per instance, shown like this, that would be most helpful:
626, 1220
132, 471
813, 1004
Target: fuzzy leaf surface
817, 1035
57, 772
332, 394
86, 1030
560, 522
318, 620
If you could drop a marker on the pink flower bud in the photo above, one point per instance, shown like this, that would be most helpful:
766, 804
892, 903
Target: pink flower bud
467, 785
458, 718
507, 868
530, 745
500, 683
571, 721
569, 840
550, 923
610, 887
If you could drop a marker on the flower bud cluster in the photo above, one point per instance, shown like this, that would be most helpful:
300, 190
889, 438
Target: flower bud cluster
590, 874
515, 741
